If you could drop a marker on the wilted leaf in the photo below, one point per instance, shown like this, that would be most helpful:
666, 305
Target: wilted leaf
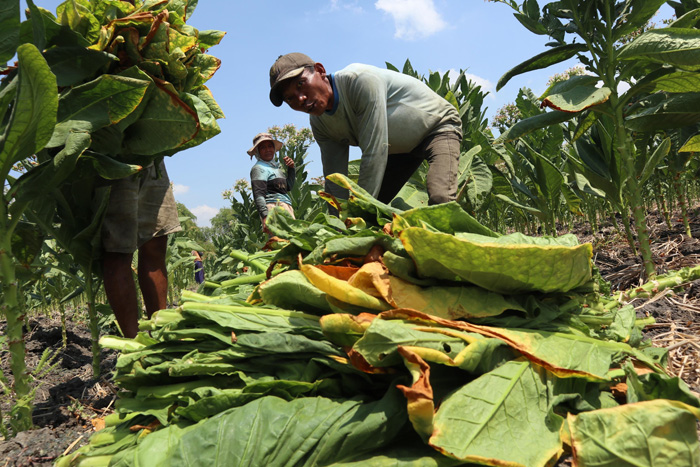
645, 434
577, 99
507, 265
341, 290
165, 125
501, 418
292, 291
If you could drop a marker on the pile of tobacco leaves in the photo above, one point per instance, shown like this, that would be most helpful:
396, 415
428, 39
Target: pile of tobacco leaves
397, 338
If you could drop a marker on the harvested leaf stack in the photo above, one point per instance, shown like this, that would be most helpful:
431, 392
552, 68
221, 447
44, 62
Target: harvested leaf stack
432, 341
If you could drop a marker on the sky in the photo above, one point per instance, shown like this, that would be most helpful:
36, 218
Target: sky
435, 35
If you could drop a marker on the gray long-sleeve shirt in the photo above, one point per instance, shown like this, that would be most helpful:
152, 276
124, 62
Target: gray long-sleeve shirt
383, 112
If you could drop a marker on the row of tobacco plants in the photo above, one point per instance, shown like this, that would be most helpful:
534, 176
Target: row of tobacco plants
99, 90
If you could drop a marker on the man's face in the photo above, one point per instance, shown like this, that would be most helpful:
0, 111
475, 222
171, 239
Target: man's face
309, 92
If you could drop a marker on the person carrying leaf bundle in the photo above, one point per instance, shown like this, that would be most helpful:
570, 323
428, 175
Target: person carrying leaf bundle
198, 267
141, 213
268, 179
395, 119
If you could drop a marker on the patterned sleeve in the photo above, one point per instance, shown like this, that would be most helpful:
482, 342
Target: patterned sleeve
258, 181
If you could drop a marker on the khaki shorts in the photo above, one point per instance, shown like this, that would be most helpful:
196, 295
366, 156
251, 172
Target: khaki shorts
141, 207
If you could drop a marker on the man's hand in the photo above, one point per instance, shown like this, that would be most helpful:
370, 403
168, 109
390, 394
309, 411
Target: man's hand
288, 162
264, 225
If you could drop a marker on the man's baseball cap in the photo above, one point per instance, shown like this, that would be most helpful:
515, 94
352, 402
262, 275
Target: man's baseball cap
286, 67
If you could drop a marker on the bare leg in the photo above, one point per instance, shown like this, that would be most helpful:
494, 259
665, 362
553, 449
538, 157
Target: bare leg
153, 274
121, 291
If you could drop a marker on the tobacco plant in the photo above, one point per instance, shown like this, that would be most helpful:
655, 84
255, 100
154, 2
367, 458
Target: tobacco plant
658, 65
33, 98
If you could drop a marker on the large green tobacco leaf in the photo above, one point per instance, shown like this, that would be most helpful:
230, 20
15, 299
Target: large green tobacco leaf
564, 354
409, 197
72, 65
382, 340
379, 345
501, 418
543, 60
673, 46
528, 125
102, 102
34, 113
636, 15
77, 15
9, 30
645, 434
110, 169
668, 81
206, 96
47, 176
27, 240
686, 17
692, 145
184, 8
507, 265
478, 183
652, 386
291, 290
362, 198
561, 353
675, 111
534, 211
447, 217
547, 176
652, 162
251, 318
210, 38
166, 124
208, 127
43, 28
269, 431
450, 302
356, 245
573, 82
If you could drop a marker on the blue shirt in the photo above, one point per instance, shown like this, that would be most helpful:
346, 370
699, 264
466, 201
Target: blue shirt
270, 184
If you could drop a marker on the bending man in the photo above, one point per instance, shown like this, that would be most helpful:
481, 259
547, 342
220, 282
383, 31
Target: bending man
395, 119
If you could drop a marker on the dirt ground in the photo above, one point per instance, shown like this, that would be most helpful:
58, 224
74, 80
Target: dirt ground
70, 402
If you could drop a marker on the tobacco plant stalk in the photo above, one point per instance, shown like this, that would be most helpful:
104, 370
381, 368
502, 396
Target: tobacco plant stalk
625, 147
680, 193
21, 412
